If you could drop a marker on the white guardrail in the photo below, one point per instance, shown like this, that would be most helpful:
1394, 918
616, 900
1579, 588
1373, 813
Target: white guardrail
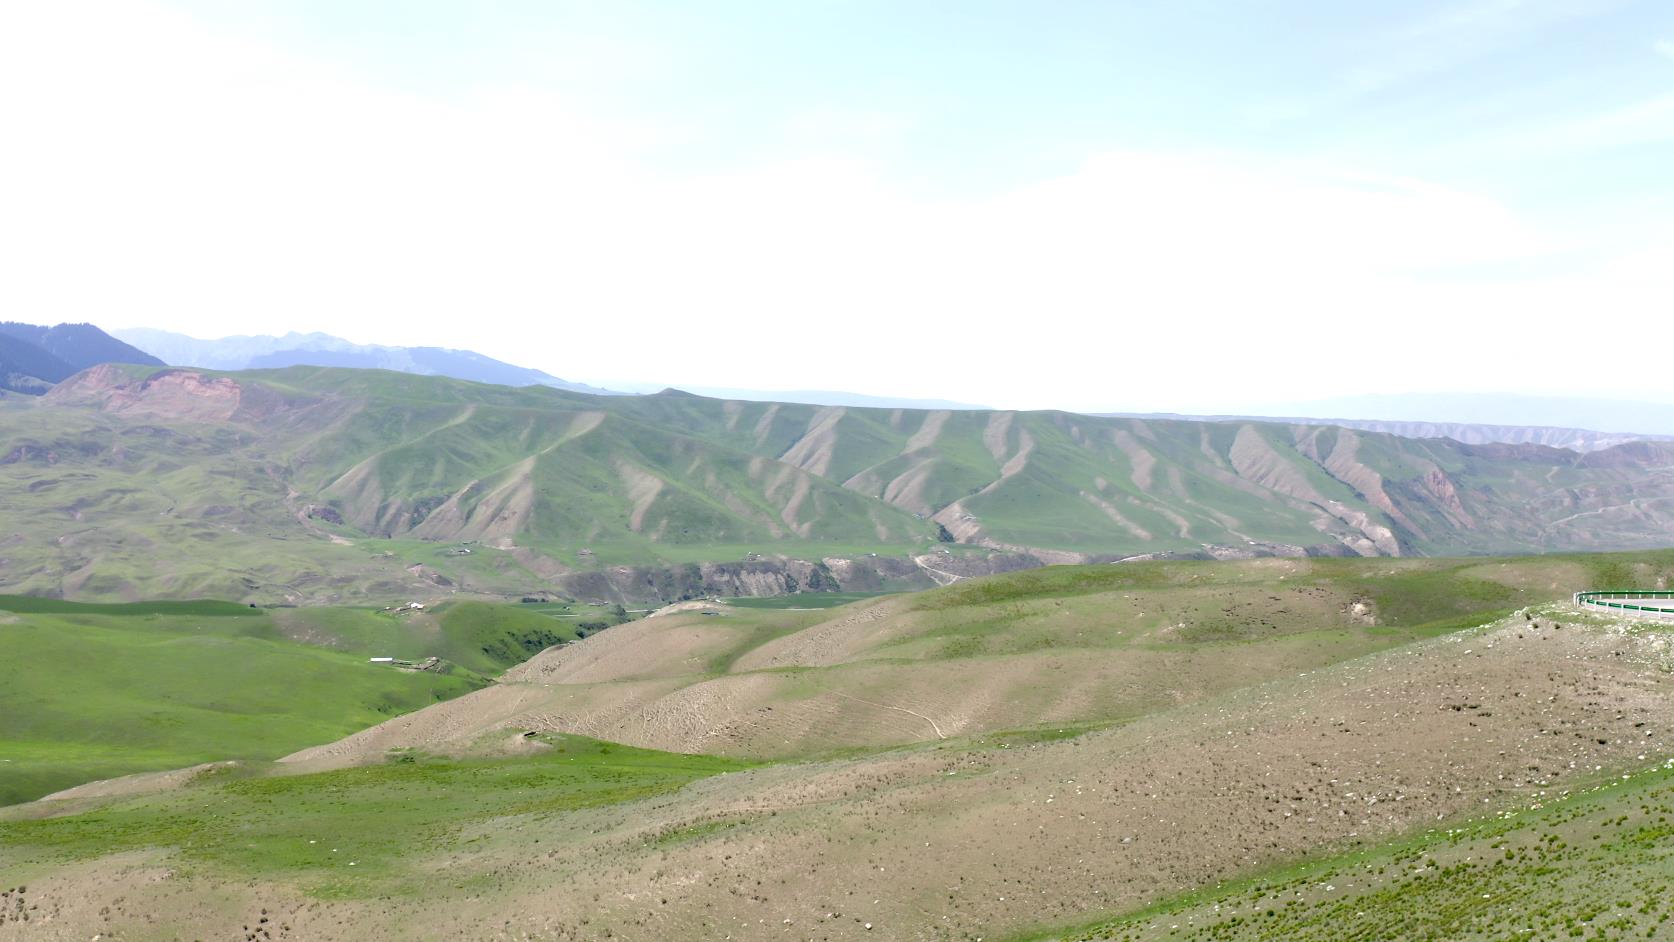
1651, 603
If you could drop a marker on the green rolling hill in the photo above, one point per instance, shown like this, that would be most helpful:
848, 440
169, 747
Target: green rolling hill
91, 691
315, 484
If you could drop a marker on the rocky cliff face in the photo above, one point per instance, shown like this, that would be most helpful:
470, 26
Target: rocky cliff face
167, 394
643, 585
637, 585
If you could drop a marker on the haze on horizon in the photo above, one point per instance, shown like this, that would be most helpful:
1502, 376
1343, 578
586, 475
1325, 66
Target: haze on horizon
1173, 207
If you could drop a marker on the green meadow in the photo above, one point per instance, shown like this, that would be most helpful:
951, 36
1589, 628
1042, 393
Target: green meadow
96, 691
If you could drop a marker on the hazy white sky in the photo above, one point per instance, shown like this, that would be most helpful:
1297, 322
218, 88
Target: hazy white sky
1185, 206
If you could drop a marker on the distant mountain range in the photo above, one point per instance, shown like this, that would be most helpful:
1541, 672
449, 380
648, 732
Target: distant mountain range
1638, 418
316, 483
316, 349
1471, 419
1574, 439
811, 397
33, 358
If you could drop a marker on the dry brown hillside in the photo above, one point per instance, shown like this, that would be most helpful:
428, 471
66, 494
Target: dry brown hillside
910, 668
997, 757
985, 836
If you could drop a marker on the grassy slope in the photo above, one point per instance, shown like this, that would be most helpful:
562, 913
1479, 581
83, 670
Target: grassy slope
356, 832
1593, 863
482, 637
1427, 594
94, 691
89, 497
98, 507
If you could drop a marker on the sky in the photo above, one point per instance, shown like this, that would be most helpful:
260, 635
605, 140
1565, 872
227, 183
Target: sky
1144, 205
